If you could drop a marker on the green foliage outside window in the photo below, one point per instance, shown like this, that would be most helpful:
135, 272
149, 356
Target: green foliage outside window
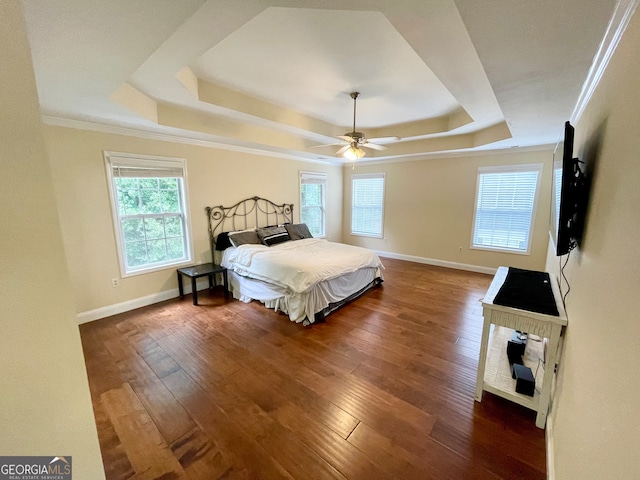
151, 219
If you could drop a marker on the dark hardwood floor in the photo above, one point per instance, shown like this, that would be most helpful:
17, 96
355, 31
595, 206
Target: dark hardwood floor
383, 389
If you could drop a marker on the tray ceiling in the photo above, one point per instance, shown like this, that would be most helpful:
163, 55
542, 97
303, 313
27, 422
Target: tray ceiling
274, 77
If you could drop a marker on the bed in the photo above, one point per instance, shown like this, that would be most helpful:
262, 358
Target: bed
272, 260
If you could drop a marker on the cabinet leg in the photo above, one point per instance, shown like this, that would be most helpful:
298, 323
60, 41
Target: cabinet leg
541, 419
484, 344
549, 375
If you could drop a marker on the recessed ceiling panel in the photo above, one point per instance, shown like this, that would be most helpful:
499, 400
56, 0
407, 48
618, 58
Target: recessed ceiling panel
309, 60
444, 75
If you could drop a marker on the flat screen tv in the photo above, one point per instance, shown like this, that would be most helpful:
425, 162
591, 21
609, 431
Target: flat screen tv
568, 204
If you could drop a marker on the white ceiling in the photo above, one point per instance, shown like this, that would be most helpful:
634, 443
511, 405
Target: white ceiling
275, 76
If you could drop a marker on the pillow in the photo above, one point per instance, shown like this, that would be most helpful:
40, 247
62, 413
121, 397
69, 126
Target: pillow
242, 238
273, 235
223, 242
298, 231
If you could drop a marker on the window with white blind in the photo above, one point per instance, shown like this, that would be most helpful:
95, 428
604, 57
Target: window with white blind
557, 189
506, 199
367, 204
148, 199
313, 188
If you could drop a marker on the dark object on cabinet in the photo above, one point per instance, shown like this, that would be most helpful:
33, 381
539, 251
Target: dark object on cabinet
525, 381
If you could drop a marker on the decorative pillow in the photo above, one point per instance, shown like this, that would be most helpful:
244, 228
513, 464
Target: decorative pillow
242, 238
223, 242
273, 235
298, 231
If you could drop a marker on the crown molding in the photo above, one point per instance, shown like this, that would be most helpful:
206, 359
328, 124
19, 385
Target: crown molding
617, 25
458, 154
200, 140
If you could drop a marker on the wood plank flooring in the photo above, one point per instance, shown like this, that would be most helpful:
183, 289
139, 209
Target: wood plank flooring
383, 389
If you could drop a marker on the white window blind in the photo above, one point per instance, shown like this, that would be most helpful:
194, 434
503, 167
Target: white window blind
367, 204
312, 202
149, 211
505, 204
557, 179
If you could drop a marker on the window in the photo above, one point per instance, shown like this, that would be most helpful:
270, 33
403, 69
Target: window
312, 200
367, 204
506, 199
148, 198
557, 189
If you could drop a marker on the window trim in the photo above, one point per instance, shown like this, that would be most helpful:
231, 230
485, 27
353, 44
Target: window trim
356, 176
529, 167
323, 177
140, 160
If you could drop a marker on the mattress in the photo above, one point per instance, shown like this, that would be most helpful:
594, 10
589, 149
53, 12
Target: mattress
302, 277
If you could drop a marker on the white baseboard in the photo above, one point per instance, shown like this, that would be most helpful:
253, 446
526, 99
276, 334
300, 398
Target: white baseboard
551, 469
109, 310
439, 263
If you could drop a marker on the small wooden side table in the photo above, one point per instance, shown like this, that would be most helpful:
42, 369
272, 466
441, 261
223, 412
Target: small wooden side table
204, 270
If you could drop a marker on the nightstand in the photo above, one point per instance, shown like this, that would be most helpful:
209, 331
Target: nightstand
204, 270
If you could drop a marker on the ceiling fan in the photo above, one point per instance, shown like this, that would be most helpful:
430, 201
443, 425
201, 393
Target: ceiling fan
353, 141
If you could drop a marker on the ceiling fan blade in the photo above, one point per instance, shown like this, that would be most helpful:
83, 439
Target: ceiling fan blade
327, 145
374, 146
357, 139
383, 139
343, 149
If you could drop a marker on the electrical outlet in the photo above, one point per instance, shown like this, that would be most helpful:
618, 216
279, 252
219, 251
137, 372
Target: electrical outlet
115, 282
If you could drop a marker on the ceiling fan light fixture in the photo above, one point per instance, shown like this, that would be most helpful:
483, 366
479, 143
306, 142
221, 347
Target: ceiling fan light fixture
352, 142
354, 152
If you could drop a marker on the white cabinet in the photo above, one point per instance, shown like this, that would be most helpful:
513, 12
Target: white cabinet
494, 374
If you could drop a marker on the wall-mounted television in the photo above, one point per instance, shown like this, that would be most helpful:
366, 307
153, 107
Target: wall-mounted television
569, 196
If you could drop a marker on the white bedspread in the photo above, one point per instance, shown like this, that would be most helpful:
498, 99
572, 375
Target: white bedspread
299, 265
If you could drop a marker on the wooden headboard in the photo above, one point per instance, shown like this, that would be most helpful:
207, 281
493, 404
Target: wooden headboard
254, 212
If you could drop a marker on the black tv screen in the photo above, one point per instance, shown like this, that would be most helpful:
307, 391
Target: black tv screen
567, 204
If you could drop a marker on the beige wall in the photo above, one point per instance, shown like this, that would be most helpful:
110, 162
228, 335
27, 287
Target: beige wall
596, 413
45, 408
428, 206
429, 209
215, 177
